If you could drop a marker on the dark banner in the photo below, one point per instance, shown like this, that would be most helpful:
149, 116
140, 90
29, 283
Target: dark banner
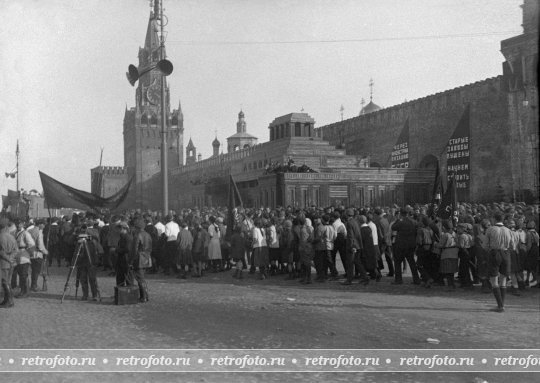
59, 195
458, 156
400, 151
234, 200
448, 207
436, 194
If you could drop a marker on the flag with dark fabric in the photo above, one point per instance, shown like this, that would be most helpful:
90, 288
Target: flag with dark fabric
436, 194
59, 195
400, 151
234, 200
458, 155
448, 207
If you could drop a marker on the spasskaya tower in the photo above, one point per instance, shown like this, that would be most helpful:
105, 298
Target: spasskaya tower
142, 123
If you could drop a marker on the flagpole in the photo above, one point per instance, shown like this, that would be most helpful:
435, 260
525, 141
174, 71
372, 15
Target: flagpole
17, 155
164, 151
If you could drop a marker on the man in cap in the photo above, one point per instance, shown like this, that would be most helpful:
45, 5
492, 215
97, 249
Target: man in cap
8, 251
140, 257
125, 245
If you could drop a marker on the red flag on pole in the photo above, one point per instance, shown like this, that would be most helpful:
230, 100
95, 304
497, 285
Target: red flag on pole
448, 207
59, 195
234, 200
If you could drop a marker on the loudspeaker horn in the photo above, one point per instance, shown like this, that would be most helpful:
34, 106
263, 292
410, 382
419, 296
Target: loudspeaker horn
133, 74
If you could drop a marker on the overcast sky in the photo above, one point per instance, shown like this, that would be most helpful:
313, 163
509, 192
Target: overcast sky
63, 64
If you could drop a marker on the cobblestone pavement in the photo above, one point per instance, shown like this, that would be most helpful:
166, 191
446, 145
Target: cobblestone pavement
217, 311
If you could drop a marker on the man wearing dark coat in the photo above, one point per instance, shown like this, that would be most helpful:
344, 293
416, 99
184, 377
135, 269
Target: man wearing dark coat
369, 253
87, 262
125, 244
51, 235
353, 249
404, 247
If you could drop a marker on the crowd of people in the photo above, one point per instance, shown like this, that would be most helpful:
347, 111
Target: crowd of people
491, 246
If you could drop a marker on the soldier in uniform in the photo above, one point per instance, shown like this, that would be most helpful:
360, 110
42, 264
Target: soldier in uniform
8, 251
140, 256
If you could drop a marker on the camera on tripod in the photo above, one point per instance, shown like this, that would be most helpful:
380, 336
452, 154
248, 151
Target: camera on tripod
82, 235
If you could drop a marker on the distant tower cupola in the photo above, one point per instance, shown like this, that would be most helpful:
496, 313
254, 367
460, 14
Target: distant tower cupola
241, 124
241, 139
215, 147
371, 107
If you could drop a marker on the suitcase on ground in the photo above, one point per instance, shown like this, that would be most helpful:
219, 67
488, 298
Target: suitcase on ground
126, 295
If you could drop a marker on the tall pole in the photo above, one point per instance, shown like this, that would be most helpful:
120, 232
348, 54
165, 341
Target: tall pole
164, 159
17, 155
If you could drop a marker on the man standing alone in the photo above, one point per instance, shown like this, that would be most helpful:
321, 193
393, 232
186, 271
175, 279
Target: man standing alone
499, 239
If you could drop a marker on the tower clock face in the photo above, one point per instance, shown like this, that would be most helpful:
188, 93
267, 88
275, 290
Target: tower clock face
153, 93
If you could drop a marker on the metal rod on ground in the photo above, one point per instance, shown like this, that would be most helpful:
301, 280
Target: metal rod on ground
45, 267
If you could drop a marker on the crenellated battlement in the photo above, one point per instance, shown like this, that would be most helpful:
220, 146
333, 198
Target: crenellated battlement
111, 170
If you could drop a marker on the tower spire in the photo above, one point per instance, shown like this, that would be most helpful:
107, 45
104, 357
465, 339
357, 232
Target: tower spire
371, 83
156, 9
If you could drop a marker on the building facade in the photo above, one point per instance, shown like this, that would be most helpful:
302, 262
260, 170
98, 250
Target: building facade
294, 168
